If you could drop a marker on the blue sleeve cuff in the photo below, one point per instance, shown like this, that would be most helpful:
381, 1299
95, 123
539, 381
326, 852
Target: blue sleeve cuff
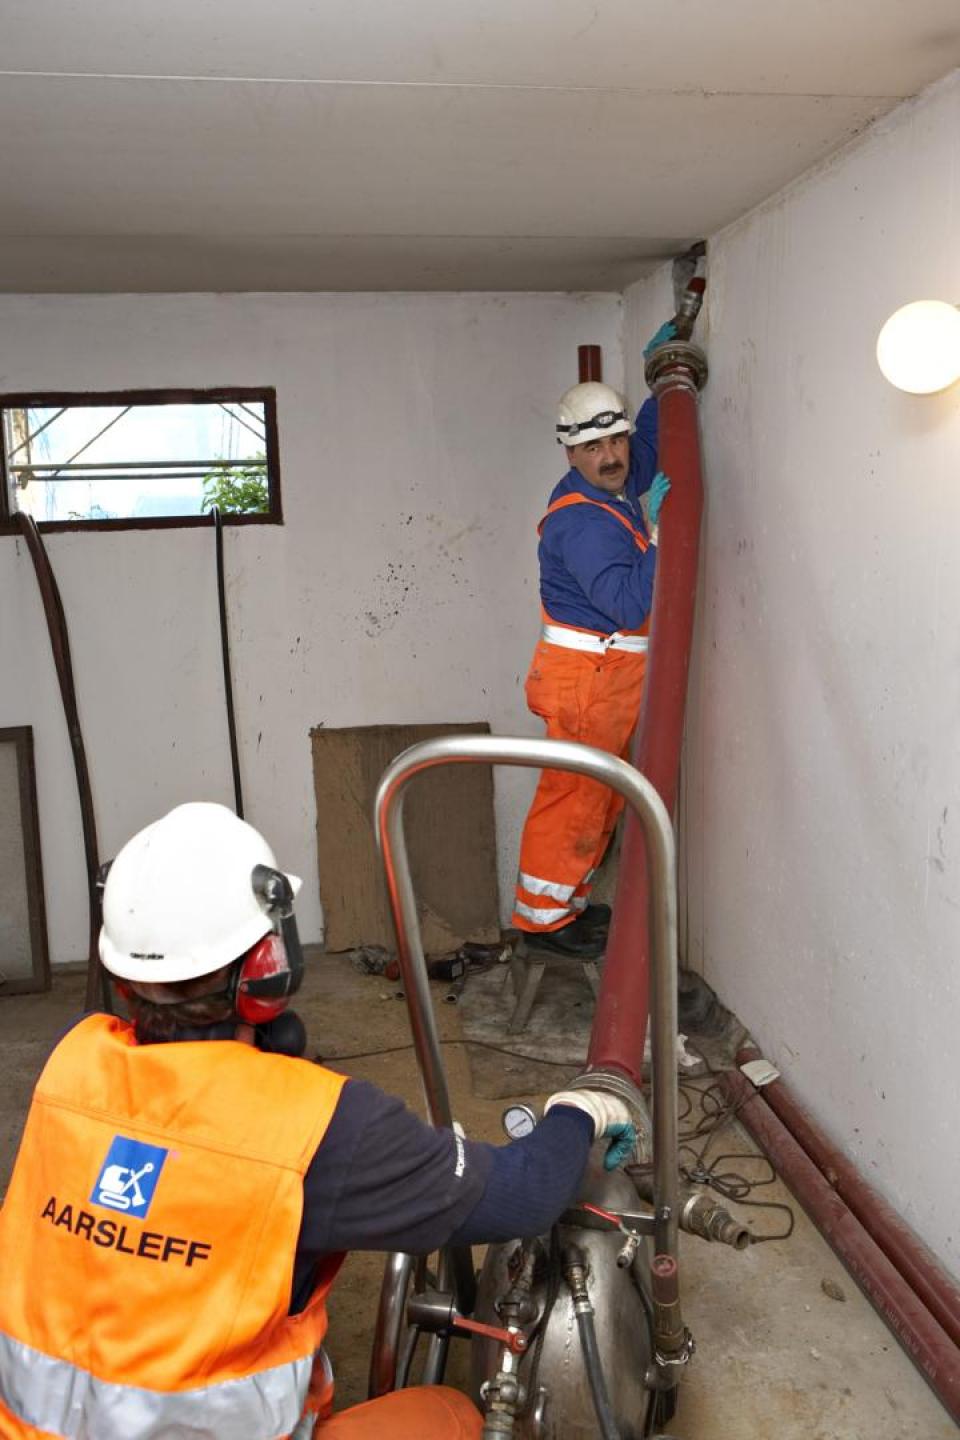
531, 1181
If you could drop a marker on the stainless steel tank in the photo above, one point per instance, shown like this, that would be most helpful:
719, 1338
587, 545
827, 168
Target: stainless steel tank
558, 1404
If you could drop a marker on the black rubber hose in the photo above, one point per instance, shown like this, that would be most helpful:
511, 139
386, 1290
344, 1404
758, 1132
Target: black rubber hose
97, 995
595, 1375
225, 652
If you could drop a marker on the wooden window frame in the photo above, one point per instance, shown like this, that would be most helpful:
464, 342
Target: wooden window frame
35, 399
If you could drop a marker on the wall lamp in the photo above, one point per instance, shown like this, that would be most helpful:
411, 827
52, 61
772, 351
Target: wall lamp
918, 349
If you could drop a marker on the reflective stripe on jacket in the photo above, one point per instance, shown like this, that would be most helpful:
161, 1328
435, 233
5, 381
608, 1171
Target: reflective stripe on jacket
147, 1242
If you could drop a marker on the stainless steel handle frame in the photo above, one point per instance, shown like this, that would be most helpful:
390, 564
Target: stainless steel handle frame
389, 1327
657, 830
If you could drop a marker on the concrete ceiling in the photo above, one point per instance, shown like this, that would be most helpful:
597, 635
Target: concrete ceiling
421, 144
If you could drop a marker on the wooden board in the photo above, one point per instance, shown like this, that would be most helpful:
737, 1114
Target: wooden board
449, 829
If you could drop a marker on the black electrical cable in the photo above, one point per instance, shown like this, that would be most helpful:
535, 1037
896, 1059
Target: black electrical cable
480, 1044
717, 1113
734, 1186
225, 653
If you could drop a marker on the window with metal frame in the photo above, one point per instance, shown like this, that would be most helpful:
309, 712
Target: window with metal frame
139, 458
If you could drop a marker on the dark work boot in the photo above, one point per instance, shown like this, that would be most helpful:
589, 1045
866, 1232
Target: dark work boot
595, 920
573, 940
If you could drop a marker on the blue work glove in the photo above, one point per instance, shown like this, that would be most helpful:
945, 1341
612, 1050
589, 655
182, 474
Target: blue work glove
666, 332
623, 1142
658, 492
611, 1121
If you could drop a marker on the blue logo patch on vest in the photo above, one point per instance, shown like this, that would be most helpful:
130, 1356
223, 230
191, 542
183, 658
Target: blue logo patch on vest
129, 1177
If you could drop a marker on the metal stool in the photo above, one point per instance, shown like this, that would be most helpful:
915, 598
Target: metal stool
527, 968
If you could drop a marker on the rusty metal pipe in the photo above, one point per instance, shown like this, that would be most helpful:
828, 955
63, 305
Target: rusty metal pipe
589, 362
675, 372
926, 1342
915, 1262
669, 1330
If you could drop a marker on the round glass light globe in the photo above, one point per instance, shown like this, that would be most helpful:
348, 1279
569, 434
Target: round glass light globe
918, 349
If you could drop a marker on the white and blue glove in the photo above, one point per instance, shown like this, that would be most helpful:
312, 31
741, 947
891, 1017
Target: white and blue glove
658, 492
666, 332
611, 1121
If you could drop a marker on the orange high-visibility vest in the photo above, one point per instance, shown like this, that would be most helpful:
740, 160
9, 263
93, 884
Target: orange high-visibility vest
147, 1243
575, 498
639, 539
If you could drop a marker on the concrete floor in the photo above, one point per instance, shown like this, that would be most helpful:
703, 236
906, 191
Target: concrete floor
778, 1358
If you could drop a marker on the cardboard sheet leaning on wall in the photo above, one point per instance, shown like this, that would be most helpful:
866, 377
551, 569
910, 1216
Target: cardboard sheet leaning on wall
450, 837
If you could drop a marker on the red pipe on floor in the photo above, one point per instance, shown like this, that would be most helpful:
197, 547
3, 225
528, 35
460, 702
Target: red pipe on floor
675, 373
925, 1341
918, 1265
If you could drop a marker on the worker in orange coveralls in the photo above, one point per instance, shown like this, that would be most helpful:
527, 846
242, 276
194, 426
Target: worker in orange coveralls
598, 558
187, 1184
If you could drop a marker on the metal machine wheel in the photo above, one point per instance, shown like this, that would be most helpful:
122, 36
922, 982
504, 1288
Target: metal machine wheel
396, 1338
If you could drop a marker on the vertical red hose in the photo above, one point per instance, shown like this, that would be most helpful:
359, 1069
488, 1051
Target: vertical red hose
620, 1022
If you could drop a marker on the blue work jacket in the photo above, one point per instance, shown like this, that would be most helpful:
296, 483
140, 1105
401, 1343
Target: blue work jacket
592, 574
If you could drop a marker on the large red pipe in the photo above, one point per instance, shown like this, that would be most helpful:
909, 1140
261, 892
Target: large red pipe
620, 1022
918, 1265
925, 1341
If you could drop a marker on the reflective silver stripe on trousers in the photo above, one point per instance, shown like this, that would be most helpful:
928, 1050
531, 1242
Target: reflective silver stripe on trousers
597, 644
541, 917
535, 886
68, 1402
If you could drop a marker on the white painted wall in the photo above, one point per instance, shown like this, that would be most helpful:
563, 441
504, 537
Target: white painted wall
416, 449
822, 819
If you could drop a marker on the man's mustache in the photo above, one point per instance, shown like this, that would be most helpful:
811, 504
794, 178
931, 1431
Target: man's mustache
614, 469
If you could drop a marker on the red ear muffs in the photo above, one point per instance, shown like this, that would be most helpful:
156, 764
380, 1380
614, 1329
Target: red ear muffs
264, 981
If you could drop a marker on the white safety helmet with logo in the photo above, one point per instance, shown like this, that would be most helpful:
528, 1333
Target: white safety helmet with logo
591, 411
181, 899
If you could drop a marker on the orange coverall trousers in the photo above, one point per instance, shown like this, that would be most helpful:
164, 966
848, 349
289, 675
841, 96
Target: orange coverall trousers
595, 699
426, 1412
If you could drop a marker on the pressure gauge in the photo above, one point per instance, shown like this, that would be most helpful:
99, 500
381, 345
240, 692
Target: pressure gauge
518, 1121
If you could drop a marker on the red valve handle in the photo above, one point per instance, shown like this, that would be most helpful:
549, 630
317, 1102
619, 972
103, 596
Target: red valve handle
515, 1339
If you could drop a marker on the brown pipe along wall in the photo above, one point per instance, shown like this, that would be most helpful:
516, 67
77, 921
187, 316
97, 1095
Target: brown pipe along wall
905, 1250
924, 1340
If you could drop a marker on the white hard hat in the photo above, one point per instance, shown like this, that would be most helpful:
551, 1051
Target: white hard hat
179, 900
591, 411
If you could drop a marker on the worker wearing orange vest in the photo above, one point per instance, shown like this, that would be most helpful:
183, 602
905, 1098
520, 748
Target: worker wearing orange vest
179, 1211
597, 565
